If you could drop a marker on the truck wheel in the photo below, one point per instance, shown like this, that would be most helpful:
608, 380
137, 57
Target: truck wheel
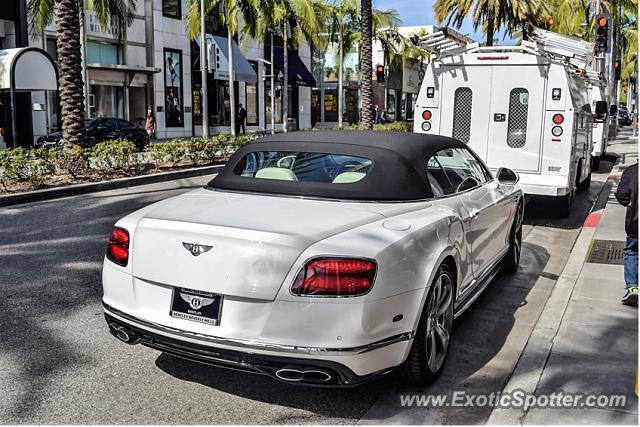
566, 203
595, 162
584, 185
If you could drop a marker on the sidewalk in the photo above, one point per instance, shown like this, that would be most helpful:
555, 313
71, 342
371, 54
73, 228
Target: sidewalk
585, 341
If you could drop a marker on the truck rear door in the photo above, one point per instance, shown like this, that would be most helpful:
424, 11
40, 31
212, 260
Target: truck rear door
516, 117
466, 98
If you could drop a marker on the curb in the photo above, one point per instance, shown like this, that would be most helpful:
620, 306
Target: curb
90, 187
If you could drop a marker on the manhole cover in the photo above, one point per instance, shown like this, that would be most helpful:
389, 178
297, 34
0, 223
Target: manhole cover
607, 252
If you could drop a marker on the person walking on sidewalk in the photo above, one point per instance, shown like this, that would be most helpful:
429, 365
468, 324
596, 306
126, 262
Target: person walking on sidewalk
627, 195
242, 116
150, 124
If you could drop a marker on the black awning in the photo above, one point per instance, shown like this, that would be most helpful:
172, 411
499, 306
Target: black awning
299, 74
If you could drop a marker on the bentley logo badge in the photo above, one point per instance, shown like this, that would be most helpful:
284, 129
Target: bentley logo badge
196, 249
196, 302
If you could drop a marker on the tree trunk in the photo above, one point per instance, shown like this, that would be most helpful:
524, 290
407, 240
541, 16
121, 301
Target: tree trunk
70, 82
490, 29
273, 88
366, 86
340, 79
285, 84
232, 89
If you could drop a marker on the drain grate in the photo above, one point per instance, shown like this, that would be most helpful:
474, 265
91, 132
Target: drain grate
606, 252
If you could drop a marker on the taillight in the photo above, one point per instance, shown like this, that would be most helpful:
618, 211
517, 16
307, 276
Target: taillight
335, 277
558, 119
556, 131
118, 246
426, 114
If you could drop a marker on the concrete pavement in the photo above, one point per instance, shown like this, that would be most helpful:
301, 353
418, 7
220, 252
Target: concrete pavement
585, 340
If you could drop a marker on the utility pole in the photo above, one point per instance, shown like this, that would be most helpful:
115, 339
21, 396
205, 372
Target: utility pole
204, 99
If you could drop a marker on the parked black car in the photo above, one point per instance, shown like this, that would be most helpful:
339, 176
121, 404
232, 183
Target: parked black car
623, 116
102, 129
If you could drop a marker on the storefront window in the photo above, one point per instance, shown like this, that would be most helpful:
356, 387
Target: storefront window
107, 101
252, 98
172, 8
173, 88
278, 103
103, 53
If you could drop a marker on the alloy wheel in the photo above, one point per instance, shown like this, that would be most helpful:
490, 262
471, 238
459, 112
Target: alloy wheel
439, 321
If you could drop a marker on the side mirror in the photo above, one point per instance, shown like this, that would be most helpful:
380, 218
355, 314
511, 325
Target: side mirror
601, 112
468, 183
507, 176
613, 110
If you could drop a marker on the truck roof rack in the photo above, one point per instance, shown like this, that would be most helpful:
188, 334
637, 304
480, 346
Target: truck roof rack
575, 51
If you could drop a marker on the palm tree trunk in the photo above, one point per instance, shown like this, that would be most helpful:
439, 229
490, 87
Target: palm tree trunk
285, 84
366, 86
490, 29
232, 89
340, 79
70, 71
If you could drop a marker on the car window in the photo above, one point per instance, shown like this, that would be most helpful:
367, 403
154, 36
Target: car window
440, 184
478, 167
457, 167
122, 123
304, 167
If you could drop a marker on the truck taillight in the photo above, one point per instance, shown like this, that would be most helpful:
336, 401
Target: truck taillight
558, 119
338, 277
118, 246
426, 114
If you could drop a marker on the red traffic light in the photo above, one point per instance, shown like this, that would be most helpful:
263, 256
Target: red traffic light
550, 21
380, 69
602, 21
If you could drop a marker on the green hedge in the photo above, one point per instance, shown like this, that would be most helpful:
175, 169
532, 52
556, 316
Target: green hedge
35, 168
383, 127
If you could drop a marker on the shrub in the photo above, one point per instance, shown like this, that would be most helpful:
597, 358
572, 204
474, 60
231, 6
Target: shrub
168, 152
394, 127
117, 156
73, 161
20, 165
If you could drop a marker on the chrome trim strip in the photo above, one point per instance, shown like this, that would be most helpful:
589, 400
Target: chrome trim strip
255, 345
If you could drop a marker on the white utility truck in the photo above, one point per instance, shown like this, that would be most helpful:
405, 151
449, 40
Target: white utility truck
524, 106
600, 108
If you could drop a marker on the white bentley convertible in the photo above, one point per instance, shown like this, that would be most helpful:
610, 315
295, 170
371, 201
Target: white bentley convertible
319, 258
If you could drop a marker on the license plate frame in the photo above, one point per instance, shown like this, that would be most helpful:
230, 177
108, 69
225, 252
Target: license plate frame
196, 306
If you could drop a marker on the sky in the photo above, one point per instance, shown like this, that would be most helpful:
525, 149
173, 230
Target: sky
420, 12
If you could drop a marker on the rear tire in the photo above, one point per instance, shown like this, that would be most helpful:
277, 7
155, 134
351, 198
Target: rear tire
430, 346
566, 203
595, 163
511, 260
584, 185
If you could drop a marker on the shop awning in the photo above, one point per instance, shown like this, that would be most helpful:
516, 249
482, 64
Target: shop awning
299, 74
242, 69
28, 68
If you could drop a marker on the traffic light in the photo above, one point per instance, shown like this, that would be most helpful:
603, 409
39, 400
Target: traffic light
380, 73
550, 23
617, 67
602, 32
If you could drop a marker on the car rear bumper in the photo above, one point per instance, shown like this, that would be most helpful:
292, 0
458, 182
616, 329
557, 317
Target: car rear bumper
311, 366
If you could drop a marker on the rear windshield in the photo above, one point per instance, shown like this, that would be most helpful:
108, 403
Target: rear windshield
304, 167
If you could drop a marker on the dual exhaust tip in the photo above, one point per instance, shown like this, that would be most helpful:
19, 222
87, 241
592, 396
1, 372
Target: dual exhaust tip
306, 376
123, 334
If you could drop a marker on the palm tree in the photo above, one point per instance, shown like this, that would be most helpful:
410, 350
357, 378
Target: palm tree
230, 11
490, 15
117, 14
366, 66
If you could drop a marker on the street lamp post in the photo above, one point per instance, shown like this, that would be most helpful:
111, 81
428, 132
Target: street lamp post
272, 76
204, 100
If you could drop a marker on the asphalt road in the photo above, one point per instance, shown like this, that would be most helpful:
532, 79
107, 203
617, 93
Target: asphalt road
59, 364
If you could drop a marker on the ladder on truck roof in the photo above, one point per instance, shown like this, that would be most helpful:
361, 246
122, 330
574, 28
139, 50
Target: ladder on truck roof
444, 41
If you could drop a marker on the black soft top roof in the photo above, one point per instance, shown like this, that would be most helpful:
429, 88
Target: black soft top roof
398, 172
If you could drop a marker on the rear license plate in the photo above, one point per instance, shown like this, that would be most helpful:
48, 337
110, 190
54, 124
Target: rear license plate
198, 306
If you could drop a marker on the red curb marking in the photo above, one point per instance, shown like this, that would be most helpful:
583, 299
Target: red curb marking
592, 220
